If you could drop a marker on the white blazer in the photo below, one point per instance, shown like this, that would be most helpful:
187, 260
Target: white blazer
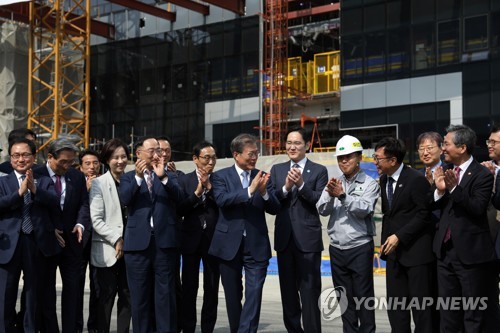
107, 221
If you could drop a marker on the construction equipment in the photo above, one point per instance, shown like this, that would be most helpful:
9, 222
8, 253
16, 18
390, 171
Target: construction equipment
314, 133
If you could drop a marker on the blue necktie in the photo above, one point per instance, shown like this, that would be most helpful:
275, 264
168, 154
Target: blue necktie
244, 182
390, 191
26, 226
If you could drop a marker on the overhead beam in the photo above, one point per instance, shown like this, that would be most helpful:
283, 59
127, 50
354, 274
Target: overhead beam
20, 12
314, 11
194, 6
235, 6
148, 9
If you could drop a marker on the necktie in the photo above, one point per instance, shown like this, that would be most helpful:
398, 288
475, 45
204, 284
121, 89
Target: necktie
26, 226
296, 166
447, 235
149, 180
390, 190
244, 182
294, 188
457, 174
58, 185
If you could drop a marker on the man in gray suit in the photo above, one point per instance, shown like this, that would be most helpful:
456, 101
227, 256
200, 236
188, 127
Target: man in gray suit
298, 184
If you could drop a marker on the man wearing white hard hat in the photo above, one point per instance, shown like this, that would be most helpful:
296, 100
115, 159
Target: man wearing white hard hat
350, 202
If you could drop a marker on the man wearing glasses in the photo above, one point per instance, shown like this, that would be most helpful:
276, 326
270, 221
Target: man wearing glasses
26, 205
407, 232
241, 241
429, 152
150, 243
298, 184
200, 213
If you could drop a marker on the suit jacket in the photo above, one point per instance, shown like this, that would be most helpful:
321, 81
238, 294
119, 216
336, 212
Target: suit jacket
107, 220
76, 206
464, 212
194, 212
237, 213
11, 204
408, 218
141, 206
298, 216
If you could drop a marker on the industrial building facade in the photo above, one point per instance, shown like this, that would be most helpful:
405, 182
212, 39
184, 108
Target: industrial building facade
419, 65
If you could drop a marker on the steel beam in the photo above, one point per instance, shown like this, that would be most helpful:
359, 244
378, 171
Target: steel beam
314, 11
235, 6
148, 9
194, 6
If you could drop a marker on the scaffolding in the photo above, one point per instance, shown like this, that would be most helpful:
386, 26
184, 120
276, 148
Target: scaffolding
274, 106
59, 54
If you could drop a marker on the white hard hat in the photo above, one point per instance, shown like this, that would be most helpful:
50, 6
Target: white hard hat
348, 144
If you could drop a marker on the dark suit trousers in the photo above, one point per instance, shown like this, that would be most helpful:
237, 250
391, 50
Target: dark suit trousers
352, 269
190, 282
300, 282
24, 258
458, 280
243, 318
409, 282
70, 264
111, 281
92, 318
151, 280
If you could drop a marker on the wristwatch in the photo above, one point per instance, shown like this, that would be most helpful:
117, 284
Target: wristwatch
342, 196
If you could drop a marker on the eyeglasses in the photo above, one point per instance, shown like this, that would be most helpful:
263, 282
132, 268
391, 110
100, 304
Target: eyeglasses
253, 154
378, 159
208, 158
151, 151
17, 156
426, 149
491, 142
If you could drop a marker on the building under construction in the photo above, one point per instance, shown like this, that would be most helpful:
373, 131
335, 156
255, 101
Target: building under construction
184, 68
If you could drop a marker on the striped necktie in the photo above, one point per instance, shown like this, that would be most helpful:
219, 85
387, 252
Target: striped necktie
26, 226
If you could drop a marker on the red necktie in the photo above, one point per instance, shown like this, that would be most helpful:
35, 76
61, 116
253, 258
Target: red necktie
58, 185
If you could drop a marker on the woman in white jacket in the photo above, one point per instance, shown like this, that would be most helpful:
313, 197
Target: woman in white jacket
109, 218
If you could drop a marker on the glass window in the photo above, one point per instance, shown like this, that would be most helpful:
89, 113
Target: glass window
475, 7
350, 3
448, 42
422, 11
375, 55
475, 33
398, 48
495, 5
476, 89
374, 117
448, 9
374, 18
398, 115
495, 29
352, 57
398, 13
351, 119
352, 21
423, 49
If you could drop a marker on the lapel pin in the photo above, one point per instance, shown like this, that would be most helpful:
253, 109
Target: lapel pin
308, 170
400, 185
469, 173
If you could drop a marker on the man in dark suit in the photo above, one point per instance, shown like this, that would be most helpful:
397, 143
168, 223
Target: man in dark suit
18, 133
25, 218
150, 243
298, 184
200, 213
91, 168
166, 155
462, 243
74, 218
407, 231
241, 241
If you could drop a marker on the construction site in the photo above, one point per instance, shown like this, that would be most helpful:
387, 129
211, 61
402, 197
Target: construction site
192, 70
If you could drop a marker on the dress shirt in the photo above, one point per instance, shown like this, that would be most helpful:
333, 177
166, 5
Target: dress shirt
239, 171
302, 165
463, 168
